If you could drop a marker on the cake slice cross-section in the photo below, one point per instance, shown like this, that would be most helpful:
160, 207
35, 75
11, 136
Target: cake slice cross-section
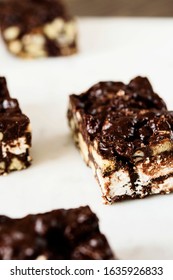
125, 134
71, 234
15, 133
37, 28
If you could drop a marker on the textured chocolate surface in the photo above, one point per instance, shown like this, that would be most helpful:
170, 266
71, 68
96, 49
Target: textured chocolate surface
60, 234
13, 123
129, 115
135, 132
29, 14
13, 126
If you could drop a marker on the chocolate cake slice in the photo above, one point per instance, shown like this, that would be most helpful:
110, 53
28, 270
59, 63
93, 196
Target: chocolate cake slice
15, 133
125, 134
58, 235
37, 28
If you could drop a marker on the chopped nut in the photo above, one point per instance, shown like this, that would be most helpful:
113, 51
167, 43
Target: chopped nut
83, 148
62, 40
70, 30
78, 116
72, 124
16, 164
68, 51
15, 46
52, 29
29, 158
34, 52
138, 154
138, 159
120, 93
11, 33
67, 36
58, 24
33, 39
34, 44
1, 136
29, 129
41, 257
2, 166
163, 146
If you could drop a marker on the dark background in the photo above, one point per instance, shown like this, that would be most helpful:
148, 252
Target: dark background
157, 8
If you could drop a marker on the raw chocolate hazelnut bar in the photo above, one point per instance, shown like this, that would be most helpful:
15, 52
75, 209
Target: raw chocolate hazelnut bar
37, 28
15, 133
125, 134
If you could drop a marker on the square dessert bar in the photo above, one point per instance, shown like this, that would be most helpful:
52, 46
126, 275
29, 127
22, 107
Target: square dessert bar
58, 235
125, 134
15, 133
37, 28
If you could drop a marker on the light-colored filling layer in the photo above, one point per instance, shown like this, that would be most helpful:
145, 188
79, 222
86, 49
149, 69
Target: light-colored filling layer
16, 147
15, 164
12, 150
33, 44
119, 182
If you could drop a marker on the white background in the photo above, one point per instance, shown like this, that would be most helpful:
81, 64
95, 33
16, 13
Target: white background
110, 49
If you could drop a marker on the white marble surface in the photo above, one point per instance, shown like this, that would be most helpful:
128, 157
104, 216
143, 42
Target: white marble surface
110, 49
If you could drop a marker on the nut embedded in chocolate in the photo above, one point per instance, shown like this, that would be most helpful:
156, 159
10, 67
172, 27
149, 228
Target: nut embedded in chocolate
125, 133
34, 28
59, 235
15, 133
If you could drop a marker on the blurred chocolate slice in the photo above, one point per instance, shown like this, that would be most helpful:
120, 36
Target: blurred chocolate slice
57, 235
37, 28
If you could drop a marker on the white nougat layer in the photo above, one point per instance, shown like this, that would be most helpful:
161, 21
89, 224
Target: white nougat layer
16, 147
118, 183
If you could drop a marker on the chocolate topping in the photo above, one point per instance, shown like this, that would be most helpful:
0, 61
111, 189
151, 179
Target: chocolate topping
111, 96
60, 234
129, 133
124, 118
12, 122
29, 14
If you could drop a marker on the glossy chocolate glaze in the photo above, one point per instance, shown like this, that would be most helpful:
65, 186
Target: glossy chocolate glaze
8, 105
60, 234
123, 118
136, 132
13, 123
30, 14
